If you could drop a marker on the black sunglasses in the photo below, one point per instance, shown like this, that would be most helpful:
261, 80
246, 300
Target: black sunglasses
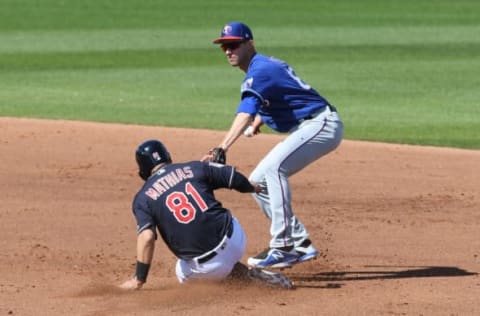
232, 45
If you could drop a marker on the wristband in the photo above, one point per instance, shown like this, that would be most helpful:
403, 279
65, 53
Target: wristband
141, 272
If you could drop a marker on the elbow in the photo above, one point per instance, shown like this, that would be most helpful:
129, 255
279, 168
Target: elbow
147, 237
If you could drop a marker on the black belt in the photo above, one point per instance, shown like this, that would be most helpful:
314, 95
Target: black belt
311, 116
214, 253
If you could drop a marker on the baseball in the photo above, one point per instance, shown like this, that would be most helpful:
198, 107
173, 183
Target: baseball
248, 131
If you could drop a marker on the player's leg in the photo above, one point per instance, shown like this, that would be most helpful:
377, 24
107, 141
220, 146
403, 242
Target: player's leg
324, 134
312, 140
275, 203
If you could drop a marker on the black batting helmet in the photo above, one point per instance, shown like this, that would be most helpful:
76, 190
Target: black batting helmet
150, 154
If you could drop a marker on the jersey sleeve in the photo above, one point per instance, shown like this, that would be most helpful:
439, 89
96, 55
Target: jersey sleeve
143, 217
248, 89
220, 176
260, 80
250, 104
241, 183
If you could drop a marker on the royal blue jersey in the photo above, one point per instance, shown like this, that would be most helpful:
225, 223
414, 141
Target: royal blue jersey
273, 90
179, 201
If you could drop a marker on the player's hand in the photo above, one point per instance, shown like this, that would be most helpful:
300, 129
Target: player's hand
217, 155
132, 284
258, 188
207, 157
251, 131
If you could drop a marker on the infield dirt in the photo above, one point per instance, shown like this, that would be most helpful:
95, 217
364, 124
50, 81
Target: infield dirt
398, 227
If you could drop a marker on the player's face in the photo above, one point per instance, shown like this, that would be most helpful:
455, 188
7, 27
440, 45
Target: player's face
237, 53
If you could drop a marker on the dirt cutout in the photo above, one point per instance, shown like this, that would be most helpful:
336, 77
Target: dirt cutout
398, 227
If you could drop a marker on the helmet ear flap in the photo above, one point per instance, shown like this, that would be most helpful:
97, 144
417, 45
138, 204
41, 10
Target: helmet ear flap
150, 154
145, 165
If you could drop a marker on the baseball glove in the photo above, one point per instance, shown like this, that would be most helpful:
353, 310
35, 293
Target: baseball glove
218, 155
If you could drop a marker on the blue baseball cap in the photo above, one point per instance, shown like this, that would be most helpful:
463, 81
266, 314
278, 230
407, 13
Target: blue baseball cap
234, 32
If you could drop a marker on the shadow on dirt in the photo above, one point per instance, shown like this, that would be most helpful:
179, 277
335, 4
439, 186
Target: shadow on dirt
336, 279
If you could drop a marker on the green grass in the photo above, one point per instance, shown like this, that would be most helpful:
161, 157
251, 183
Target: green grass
398, 71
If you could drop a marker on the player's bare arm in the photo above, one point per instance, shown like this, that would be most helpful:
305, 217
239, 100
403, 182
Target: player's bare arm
145, 249
239, 124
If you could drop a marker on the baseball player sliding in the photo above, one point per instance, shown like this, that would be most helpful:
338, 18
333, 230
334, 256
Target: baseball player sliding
273, 94
178, 200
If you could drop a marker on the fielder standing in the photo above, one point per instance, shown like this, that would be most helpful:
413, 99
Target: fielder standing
272, 94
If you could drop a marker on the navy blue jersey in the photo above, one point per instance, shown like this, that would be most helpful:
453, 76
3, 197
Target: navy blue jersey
273, 90
179, 201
